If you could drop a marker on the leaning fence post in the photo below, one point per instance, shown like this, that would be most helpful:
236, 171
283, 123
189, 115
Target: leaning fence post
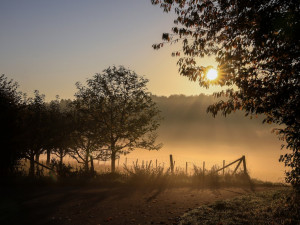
171, 164
236, 168
244, 163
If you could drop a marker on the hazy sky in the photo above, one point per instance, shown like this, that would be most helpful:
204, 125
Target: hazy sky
51, 44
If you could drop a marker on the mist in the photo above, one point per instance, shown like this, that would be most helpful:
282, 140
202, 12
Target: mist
192, 135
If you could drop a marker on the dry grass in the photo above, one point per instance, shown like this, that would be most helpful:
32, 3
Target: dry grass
146, 176
143, 175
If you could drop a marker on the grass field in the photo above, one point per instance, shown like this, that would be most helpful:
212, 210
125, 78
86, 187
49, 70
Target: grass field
271, 207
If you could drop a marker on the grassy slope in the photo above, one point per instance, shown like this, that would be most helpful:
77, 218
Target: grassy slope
272, 207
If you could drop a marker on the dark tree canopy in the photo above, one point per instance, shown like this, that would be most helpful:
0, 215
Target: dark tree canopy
60, 126
117, 101
35, 132
10, 107
256, 45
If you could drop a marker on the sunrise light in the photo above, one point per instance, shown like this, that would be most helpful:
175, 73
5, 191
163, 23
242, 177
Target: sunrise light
212, 74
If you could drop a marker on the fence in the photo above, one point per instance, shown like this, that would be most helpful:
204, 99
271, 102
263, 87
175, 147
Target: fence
104, 166
187, 167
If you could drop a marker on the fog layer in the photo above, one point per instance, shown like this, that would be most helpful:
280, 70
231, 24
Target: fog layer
192, 135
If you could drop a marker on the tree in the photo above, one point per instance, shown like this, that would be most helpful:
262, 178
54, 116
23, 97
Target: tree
35, 132
120, 104
11, 106
61, 126
256, 45
86, 133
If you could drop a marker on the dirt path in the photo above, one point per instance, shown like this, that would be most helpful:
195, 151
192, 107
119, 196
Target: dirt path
111, 206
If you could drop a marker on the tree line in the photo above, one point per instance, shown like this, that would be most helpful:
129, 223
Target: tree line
112, 114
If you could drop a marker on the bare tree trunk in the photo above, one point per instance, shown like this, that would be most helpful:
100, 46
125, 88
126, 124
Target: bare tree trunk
61, 159
37, 157
31, 168
92, 165
48, 157
86, 163
113, 161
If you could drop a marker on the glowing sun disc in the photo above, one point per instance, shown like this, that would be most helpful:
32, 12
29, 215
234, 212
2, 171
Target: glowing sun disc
212, 74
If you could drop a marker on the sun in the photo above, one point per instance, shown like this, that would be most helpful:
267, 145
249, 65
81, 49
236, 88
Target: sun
212, 74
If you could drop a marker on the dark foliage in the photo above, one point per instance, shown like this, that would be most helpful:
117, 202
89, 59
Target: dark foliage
10, 126
61, 126
35, 129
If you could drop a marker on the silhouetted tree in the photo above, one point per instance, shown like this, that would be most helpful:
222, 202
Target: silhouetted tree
10, 108
35, 129
123, 108
256, 45
61, 126
86, 137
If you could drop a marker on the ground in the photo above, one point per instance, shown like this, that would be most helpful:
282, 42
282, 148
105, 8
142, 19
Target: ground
79, 205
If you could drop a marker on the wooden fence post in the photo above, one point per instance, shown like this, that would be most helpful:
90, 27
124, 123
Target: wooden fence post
223, 167
203, 168
126, 161
236, 168
244, 163
156, 163
186, 168
171, 164
149, 165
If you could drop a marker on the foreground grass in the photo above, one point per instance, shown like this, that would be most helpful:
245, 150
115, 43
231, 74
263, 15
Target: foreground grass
272, 207
137, 175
